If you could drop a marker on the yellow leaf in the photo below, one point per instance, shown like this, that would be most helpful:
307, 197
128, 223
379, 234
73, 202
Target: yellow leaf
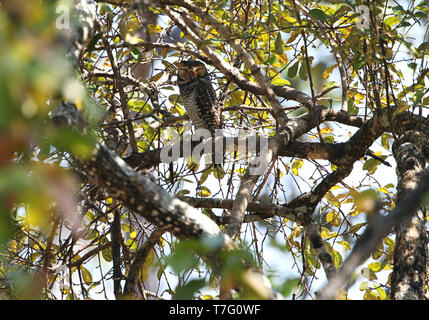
161, 242
205, 192
382, 294
157, 77
369, 295
332, 199
265, 37
86, 275
333, 218
402, 109
282, 58
358, 97
384, 190
153, 28
278, 81
192, 166
296, 165
345, 244
376, 266
326, 234
326, 130
144, 271
328, 71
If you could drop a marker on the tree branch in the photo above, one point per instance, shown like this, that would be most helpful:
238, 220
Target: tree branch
372, 236
409, 273
139, 259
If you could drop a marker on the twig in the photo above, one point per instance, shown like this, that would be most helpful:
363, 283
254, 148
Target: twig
139, 259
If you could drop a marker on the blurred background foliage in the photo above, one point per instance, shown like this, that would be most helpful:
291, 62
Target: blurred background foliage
34, 185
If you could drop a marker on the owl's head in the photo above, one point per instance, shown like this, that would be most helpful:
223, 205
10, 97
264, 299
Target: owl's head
191, 70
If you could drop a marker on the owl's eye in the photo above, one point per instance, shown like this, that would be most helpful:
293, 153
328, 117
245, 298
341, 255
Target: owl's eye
198, 72
184, 73
201, 70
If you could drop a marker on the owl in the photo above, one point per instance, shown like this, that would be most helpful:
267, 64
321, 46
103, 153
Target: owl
198, 95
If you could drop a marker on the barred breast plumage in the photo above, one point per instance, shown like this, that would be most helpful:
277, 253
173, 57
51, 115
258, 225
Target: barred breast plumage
198, 95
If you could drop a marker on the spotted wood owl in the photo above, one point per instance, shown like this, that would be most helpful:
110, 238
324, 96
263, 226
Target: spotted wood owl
198, 95
199, 98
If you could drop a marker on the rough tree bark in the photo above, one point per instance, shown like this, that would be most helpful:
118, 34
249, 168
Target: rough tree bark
409, 274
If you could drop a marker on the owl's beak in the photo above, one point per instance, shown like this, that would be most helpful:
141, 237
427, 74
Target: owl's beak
194, 74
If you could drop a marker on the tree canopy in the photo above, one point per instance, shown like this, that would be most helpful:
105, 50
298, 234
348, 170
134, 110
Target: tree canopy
328, 100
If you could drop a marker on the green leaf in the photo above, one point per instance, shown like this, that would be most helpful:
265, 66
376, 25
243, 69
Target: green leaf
319, 15
391, 21
205, 43
183, 257
359, 60
174, 98
332, 199
329, 139
107, 254
182, 193
135, 53
412, 65
355, 228
363, 286
153, 28
312, 258
420, 14
303, 75
291, 73
93, 42
371, 165
369, 295
377, 253
219, 173
278, 44
351, 107
385, 140
398, 9
160, 272
156, 77
382, 294
86, 275
288, 286
338, 259
187, 291
204, 176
